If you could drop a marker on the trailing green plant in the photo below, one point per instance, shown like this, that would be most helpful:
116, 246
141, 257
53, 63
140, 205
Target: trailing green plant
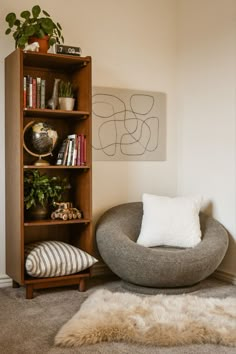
30, 24
65, 89
41, 189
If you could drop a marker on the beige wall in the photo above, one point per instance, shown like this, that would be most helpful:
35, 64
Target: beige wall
185, 48
206, 102
132, 44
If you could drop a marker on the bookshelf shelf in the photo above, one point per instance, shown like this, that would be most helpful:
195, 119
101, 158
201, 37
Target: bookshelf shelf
55, 167
48, 113
20, 230
50, 222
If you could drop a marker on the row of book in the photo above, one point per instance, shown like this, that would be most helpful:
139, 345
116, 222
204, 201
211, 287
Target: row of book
34, 92
73, 151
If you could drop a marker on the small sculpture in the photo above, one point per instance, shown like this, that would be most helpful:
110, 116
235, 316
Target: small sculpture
33, 47
53, 101
65, 211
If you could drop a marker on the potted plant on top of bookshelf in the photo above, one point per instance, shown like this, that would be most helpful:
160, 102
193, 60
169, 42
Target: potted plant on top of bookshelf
66, 96
41, 192
31, 27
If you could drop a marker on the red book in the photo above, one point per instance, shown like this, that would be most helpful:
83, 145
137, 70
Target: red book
82, 149
85, 150
24, 93
78, 150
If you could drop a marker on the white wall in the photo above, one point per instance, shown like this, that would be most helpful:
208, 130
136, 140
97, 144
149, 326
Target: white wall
206, 102
133, 45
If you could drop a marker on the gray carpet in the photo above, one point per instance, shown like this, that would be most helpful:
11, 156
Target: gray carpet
29, 326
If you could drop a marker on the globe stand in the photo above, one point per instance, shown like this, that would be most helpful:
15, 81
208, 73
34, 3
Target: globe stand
40, 162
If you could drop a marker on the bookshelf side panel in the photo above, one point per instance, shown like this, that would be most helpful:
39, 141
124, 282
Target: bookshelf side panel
13, 167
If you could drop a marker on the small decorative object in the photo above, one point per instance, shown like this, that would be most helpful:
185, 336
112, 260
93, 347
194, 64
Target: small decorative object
53, 101
41, 191
33, 47
66, 99
66, 49
36, 26
65, 211
39, 140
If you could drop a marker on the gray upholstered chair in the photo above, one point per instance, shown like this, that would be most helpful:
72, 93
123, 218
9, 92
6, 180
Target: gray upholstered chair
157, 269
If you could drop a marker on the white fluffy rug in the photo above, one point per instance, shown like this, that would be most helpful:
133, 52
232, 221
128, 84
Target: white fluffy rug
163, 320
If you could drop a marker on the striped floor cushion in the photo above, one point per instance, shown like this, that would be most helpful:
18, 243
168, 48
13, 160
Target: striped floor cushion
53, 258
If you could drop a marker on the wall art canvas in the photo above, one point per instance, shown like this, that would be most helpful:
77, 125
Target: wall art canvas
128, 125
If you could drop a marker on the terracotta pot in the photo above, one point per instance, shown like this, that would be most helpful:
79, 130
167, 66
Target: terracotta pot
43, 43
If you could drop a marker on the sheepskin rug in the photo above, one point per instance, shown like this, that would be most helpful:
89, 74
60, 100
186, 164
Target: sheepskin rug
163, 320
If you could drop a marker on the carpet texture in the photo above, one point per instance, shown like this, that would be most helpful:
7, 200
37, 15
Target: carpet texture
151, 320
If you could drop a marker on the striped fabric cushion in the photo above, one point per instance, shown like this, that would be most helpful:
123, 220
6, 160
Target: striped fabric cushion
53, 258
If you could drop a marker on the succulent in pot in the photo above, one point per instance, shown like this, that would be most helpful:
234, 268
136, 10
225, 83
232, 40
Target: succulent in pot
66, 96
33, 26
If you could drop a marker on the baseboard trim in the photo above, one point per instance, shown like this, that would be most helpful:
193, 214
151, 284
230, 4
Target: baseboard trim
225, 276
5, 281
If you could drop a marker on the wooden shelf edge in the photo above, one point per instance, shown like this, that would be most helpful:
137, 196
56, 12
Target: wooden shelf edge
37, 112
84, 274
50, 222
56, 167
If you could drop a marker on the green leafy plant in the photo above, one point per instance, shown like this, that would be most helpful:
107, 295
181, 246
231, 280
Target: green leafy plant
65, 89
31, 24
40, 189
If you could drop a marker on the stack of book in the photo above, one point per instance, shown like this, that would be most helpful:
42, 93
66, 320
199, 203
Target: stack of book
34, 92
72, 151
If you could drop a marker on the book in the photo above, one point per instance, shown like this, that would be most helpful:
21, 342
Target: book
78, 150
34, 88
81, 149
70, 158
85, 150
66, 152
29, 87
67, 49
24, 92
38, 95
61, 153
42, 93
74, 162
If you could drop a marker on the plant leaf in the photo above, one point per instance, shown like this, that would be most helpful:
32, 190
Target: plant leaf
10, 18
59, 26
46, 13
8, 31
36, 11
22, 41
29, 31
25, 14
47, 25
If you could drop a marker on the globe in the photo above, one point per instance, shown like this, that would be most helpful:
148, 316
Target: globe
39, 140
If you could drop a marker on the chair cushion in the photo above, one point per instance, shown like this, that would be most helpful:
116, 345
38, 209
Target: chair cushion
170, 221
54, 258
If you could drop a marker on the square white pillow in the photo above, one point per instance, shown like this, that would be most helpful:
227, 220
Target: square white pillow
170, 221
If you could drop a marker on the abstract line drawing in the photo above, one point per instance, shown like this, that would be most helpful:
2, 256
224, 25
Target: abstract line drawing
128, 125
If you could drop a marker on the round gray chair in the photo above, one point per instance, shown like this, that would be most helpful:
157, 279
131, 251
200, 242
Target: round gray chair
157, 269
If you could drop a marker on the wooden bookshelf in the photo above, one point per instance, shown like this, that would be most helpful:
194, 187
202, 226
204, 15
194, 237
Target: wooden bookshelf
19, 230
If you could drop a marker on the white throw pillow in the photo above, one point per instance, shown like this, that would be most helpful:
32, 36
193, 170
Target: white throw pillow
55, 258
170, 221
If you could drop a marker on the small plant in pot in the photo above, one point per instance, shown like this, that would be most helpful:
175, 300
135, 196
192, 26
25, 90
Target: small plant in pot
32, 27
66, 96
41, 192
